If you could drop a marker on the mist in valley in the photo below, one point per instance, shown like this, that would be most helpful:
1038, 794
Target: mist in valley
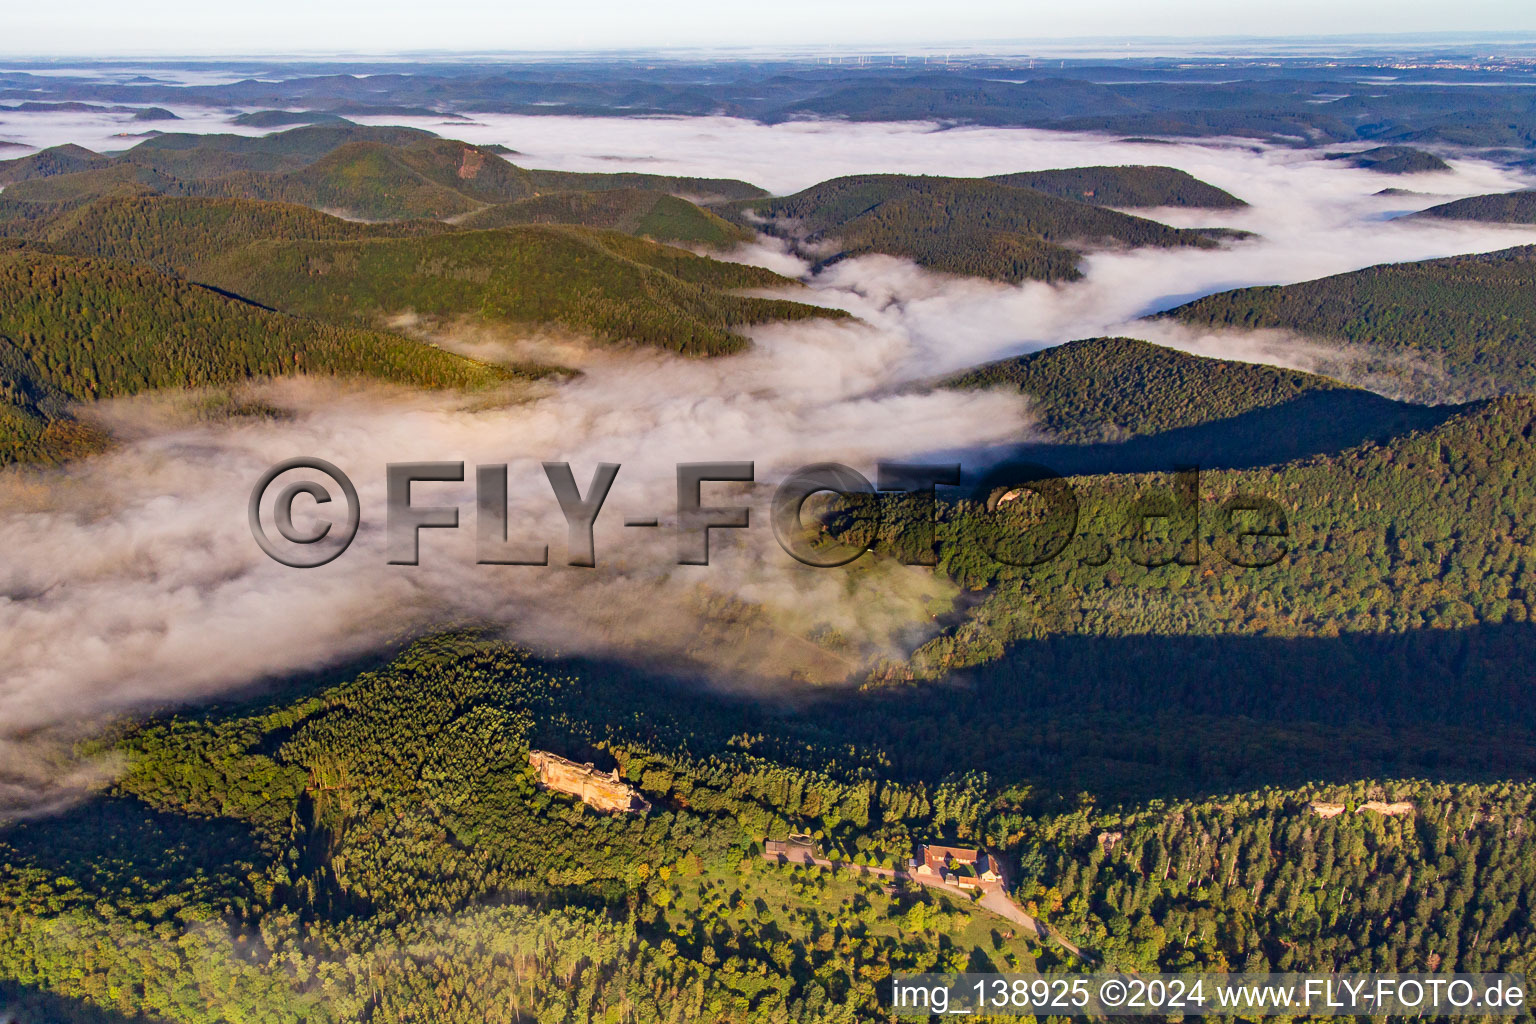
132, 582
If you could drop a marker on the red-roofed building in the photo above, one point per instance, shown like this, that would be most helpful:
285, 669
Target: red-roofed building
965, 867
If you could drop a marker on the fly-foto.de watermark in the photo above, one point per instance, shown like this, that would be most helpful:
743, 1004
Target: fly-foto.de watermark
1207, 995
899, 508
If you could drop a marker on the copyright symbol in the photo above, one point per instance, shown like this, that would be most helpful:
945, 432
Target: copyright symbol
282, 514
1112, 992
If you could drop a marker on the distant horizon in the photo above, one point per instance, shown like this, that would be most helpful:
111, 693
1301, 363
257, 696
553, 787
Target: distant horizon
343, 29
1146, 47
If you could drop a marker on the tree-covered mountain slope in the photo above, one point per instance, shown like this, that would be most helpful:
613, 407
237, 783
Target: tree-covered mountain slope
1444, 329
1110, 389
375, 181
65, 159
367, 173
1118, 405
179, 234
76, 330
378, 174
703, 190
1500, 208
955, 225
193, 156
79, 187
20, 219
643, 212
1394, 160
285, 118
1421, 532
386, 835
612, 286
547, 275
1125, 186
189, 156
618, 287
436, 178
1380, 877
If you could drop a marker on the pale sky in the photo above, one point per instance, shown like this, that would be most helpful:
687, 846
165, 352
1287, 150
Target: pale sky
214, 27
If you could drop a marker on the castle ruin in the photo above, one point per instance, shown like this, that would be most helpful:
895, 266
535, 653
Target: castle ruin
597, 789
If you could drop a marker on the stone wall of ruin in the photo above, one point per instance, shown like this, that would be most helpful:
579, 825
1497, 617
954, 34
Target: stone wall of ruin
603, 792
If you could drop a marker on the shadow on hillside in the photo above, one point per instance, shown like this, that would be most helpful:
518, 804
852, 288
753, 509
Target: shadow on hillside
1137, 718
111, 844
24, 1004
1314, 423
1168, 716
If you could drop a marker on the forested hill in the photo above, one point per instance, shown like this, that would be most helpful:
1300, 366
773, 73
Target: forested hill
610, 286
371, 173
1438, 330
1500, 208
75, 330
1109, 389
189, 156
598, 281
1124, 186
376, 181
635, 211
180, 234
618, 287
705, 190
65, 159
1394, 160
1382, 877
296, 260
192, 157
956, 225
1405, 537
285, 118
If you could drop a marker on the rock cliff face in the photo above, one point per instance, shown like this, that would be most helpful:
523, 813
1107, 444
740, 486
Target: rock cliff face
1391, 810
1327, 810
602, 791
